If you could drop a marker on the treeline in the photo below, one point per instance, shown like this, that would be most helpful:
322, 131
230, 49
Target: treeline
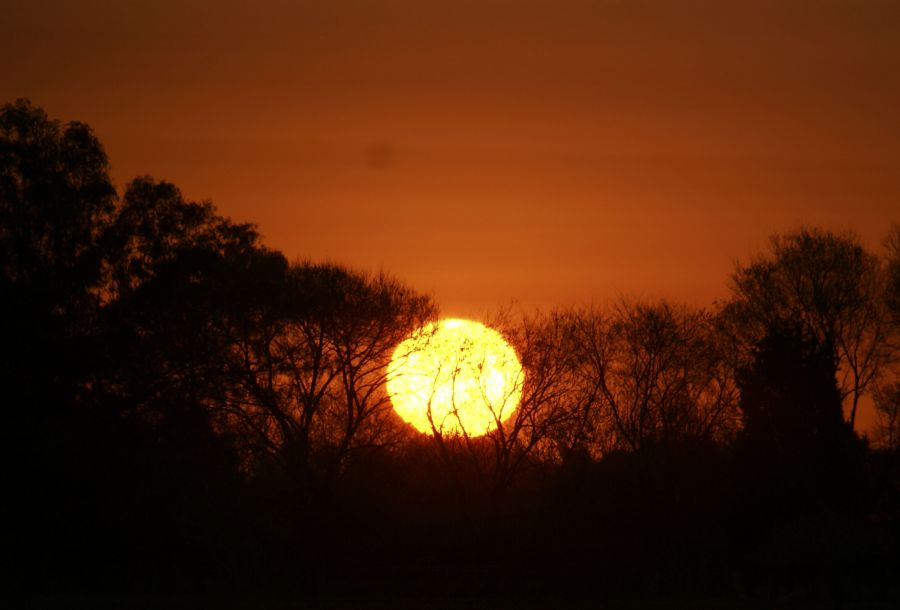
189, 411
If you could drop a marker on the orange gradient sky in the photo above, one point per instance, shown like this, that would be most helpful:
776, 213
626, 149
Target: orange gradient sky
543, 153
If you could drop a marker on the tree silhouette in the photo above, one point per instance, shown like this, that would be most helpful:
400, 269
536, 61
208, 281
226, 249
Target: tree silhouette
189, 411
887, 409
307, 371
56, 199
560, 413
552, 421
172, 270
661, 374
788, 393
155, 226
831, 286
799, 486
794, 434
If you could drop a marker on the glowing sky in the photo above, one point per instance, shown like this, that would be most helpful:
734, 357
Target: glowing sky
489, 152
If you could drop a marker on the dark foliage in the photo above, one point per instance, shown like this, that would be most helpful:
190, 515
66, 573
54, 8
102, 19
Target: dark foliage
187, 411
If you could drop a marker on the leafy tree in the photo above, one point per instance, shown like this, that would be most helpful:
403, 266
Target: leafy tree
155, 226
107, 354
799, 454
177, 272
56, 199
788, 393
829, 285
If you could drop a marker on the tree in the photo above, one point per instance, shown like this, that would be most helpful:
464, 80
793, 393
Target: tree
56, 199
557, 417
105, 371
829, 285
660, 372
647, 374
550, 420
560, 388
307, 371
155, 226
175, 272
799, 455
789, 393
887, 409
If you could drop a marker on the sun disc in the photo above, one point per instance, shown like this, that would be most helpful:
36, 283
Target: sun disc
454, 377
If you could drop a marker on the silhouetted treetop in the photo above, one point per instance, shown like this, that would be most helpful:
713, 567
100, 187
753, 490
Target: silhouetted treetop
155, 225
56, 200
831, 287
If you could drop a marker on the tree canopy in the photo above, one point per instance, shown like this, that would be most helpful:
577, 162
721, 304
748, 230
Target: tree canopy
194, 407
829, 286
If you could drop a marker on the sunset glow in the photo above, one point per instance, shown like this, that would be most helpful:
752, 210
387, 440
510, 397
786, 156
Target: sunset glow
455, 377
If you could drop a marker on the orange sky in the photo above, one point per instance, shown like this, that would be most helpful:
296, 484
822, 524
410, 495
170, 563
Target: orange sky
489, 152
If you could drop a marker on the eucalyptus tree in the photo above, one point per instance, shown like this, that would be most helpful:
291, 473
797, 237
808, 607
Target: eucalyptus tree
154, 226
175, 270
106, 360
56, 198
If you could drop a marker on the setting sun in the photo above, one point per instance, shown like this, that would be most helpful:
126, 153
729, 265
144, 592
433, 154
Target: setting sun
455, 377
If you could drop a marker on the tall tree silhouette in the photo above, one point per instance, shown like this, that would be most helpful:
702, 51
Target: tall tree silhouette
176, 272
830, 285
794, 434
307, 371
56, 199
104, 309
